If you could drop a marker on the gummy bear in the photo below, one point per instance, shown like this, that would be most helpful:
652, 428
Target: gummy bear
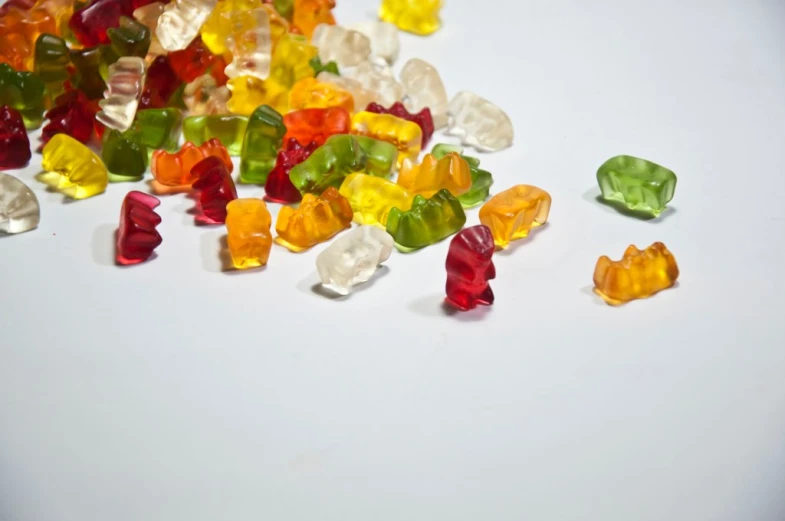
372, 198
479, 123
71, 114
482, 180
344, 46
424, 88
191, 62
248, 92
251, 45
308, 14
88, 79
90, 24
638, 184
263, 138
216, 189
19, 209
137, 236
124, 156
312, 93
470, 267
131, 38
414, 16
160, 84
180, 22
639, 274
377, 79
314, 221
405, 135
228, 129
178, 169
249, 238
427, 222
353, 258
450, 172
73, 168
511, 214
279, 187
51, 59
384, 38
317, 125
123, 92
14, 143
24, 92
422, 118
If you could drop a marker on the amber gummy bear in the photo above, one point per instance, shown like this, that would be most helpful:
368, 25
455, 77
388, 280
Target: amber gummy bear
639, 274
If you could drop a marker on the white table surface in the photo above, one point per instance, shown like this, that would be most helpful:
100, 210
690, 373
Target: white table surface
173, 391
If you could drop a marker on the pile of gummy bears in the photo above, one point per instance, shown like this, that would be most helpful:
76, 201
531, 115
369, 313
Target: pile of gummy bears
316, 116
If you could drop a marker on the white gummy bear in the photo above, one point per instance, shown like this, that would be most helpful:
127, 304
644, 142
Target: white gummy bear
19, 210
344, 46
353, 258
385, 42
180, 22
424, 88
479, 123
253, 47
123, 91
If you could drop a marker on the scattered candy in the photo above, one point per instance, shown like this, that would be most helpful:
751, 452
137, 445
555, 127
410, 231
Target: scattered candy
480, 123
216, 189
123, 92
177, 169
470, 267
73, 168
263, 138
373, 197
279, 187
248, 227
414, 16
450, 173
511, 214
137, 236
405, 135
427, 222
482, 180
638, 184
353, 258
424, 89
422, 118
19, 210
377, 79
314, 221
639, 274
228, 129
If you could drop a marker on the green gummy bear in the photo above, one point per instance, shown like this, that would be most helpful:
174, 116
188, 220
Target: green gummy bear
381, 156
263, 139
482, 180
50, 61
638, 184
124, 157
131, 38
317, 66
427, 222
285, 8
23, 91
341, 155
88, 79
157, 128
229, 129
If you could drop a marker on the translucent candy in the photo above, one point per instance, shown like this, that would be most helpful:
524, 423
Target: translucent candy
149, 15
479, 123
220, 24
385, 42
123, 91
362, 97
639, 274
250, 44
180, 22
203, 96
353, 258
72, 168
378, 78
249, 238
344, 46
19, 210
424, 88
511, 214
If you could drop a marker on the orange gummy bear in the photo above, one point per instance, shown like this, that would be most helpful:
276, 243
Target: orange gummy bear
314, 221
450, 172
310, 13
175, 169
311, 93
639, 274
511, 214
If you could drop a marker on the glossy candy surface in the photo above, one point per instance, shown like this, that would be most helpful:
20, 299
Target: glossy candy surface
310, 13
216, 189
73, 168
177, 169
479, 123
228, 129
123, 92
405, 135
373, 197
397, 109
424, 88
511, 214
314, 221
137, 236
279, 187
24, 92
19, 209
316, 124
639, 274
71, 114
469, 268
482, 180
311, 93
427, 222
414, 16
344, 46
180, 22
14, 143
638, 184
263, 138
353, 258
248, 228
451, 172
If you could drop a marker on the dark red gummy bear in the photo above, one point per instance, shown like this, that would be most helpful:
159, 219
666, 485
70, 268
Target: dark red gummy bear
279, 187
423, 118
160, 83
72, 114
14, 143
470, 267
90, 23
216, 189
191, 62
137, 236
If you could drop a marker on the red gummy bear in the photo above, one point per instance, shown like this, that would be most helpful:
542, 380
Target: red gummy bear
423, 118
14, 143
279, 187
137, 236
308, 125
160, 83
191, 62
90, 23
216, 189
470, 267
72, 114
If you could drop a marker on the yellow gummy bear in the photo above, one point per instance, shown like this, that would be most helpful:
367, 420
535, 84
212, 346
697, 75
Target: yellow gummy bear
72, 168
405, 135
222, 22
290, 61
373, 197
451, 172
511, 214
414, 16
248, 92
248, 226
311, 93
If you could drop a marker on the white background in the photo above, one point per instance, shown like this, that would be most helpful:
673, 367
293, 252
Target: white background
173, 391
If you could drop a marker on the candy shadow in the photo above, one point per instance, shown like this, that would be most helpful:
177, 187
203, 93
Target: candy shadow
436, 306
51, 180
593, 196
589, 290
103, 244
518, 243
307, 287
216, 257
